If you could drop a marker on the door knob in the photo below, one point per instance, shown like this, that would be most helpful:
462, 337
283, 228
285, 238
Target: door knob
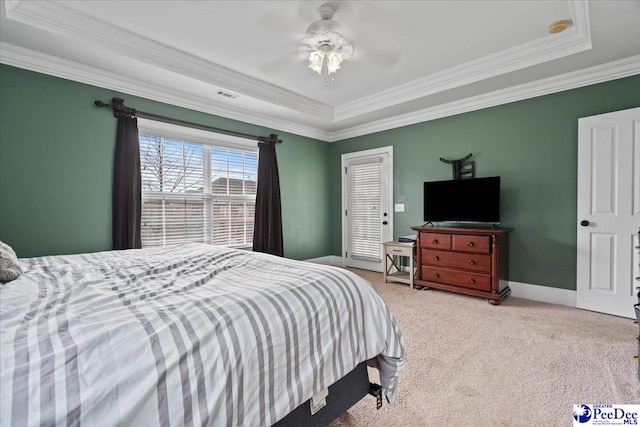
584, 223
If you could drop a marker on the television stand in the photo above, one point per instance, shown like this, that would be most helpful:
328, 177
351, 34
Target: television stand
470, 261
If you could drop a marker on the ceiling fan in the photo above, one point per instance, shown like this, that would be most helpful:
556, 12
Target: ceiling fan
324, 45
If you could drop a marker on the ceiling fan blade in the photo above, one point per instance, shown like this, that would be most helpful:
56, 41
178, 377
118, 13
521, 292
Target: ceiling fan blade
286, 22
354, 10
278, 47
272, 67
279, 63
388, 58
371, 34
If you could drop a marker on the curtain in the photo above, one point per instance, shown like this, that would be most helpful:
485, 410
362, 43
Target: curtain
127, 200
267, 233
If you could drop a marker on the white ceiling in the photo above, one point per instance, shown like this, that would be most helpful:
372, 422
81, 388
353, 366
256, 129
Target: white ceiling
413, 61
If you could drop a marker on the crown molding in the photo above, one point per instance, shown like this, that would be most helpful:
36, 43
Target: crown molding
10, 5
579, 11
588, 76
47, 64
58, 19
552, 46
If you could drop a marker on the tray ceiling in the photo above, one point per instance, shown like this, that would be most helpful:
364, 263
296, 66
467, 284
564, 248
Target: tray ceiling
413, 60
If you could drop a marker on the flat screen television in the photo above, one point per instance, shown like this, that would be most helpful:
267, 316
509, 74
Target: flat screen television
464, 200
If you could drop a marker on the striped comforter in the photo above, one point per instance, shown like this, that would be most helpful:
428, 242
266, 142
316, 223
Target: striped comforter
184, 335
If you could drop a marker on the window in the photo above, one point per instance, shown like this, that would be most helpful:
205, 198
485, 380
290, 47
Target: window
196, 188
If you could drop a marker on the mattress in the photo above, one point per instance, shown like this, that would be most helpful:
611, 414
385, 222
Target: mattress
184, 335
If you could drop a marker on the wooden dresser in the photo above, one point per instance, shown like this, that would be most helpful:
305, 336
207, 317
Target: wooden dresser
471, 261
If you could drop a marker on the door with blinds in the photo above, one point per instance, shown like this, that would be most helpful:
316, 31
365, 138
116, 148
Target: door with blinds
367, 186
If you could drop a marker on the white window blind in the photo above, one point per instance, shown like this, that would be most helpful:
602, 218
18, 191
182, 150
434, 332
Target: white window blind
194, 192
365, 211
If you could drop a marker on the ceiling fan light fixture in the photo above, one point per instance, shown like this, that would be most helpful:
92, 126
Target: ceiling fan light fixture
334, 59
324, 46
316, 60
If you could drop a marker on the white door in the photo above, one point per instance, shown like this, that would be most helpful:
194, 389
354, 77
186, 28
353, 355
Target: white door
608, 211
367, 215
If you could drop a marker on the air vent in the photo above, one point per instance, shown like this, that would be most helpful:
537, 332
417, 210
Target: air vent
227, 94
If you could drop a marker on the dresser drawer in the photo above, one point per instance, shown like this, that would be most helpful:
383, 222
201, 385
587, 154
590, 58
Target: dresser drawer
435, 240
467, 261
466, 243
465, 279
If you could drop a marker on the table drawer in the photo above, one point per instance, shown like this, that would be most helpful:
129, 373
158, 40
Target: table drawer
435, 240
467, 261
464, 279
399, 250
466, 243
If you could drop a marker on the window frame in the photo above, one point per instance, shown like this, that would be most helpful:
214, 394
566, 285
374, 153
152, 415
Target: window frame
206, 138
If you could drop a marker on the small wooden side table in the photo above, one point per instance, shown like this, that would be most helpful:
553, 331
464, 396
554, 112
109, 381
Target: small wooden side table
394, 252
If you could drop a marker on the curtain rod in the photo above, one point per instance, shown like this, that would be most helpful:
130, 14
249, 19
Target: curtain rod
119, 109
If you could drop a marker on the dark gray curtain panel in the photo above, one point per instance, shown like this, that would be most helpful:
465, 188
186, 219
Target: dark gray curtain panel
267, 232
127, 199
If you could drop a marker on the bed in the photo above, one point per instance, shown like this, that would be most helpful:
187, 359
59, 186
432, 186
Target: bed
189, 335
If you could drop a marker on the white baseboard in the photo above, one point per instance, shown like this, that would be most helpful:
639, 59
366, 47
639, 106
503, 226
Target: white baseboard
543, 293
327, 260
518, 289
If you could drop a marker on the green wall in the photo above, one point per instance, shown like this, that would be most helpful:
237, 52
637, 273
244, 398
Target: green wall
56, 165
530, 144
56, 155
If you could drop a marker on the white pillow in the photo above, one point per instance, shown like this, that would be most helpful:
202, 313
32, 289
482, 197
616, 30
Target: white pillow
9, 267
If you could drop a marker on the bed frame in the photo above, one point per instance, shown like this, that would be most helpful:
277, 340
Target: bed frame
343, 394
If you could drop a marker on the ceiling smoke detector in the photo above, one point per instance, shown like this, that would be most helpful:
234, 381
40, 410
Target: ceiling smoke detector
559, 26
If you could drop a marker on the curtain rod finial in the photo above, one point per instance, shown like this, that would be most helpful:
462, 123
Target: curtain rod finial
274, 138
99, 103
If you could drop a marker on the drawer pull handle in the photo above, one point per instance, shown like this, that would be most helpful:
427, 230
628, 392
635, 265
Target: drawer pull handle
436, 275
472, 262
436, 258
435, 241
472, 281
470, 244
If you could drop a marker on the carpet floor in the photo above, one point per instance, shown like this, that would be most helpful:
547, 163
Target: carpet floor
522, 363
